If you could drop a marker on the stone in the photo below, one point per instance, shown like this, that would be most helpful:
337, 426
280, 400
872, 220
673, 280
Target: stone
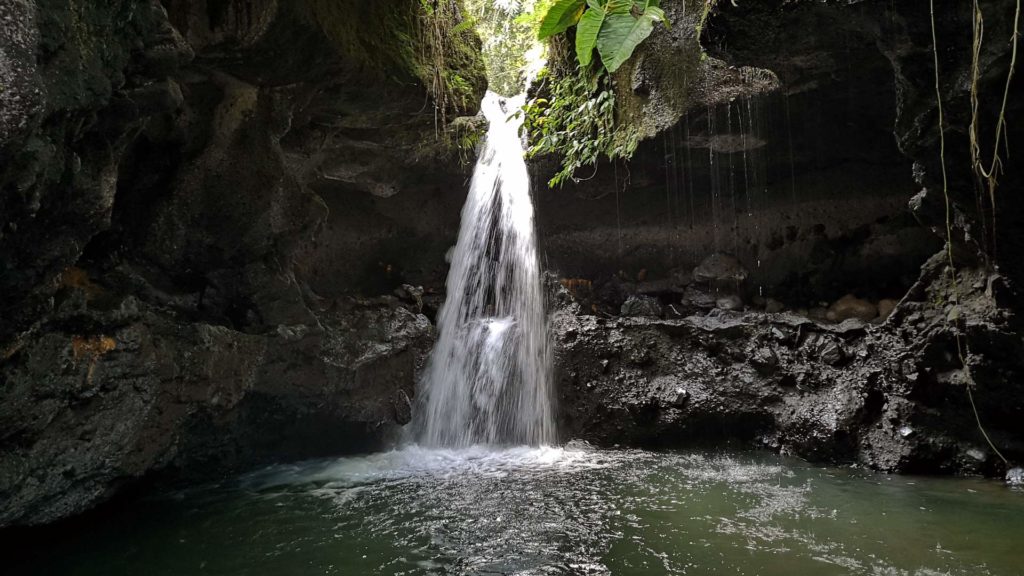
818, 314
680, 278
764, 360
403, 408
415, 293
977, 454
885, 308
697, 298
773, 306
680, 397
832, 354
1015, 476
730, 302
641, 306
850, 306
906, 431
719, 267
663, 286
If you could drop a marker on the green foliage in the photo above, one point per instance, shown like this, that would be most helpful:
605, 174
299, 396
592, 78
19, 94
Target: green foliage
562, 15
448, 61
614, 27
509, 32
709, 5
622, 32
576, 117
465, 134
587, 32
577, 122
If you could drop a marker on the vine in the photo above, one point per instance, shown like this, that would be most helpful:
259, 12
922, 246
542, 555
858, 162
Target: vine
963, 351
442, 29
989, 177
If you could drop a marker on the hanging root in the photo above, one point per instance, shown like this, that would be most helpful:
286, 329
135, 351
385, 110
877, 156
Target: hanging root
989, 176
961, 344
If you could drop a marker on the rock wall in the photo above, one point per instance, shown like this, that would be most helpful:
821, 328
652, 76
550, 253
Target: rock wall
886, 396
204, 210
825, 184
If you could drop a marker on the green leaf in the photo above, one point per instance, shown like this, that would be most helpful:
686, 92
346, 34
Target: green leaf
559, 17
658, 15
586, 34
622, 33
618, 6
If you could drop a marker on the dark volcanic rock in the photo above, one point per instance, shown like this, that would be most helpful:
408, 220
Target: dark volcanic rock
806, 180
191, 195
840, 393
107, 397
641, 306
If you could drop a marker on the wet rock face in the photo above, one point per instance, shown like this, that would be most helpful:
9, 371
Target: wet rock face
849, 392
807, 185
199, 205
891, 45
84, 412
68, 112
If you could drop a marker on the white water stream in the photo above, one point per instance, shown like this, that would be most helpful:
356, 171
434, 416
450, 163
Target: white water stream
488, 380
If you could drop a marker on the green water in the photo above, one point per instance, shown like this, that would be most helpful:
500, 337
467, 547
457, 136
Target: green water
573, 510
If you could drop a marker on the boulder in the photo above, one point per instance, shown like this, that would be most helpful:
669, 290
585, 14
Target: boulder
850, 306
885, 308
641, 306
697, 298
730, 302
718, 268
818, 314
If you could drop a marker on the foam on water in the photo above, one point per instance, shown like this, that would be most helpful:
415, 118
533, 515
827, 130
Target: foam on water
414, 461
556, 510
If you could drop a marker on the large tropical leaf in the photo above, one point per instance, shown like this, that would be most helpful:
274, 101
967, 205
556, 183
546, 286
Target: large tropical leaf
559, 17
621, 33
587, 31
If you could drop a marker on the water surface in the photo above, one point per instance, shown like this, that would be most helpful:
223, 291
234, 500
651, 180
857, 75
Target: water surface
572, 510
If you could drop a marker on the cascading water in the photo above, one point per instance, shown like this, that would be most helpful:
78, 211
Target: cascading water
488, 380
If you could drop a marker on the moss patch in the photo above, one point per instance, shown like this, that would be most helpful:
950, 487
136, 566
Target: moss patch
409, 40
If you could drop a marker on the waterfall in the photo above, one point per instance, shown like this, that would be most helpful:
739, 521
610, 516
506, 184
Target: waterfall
488, 380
